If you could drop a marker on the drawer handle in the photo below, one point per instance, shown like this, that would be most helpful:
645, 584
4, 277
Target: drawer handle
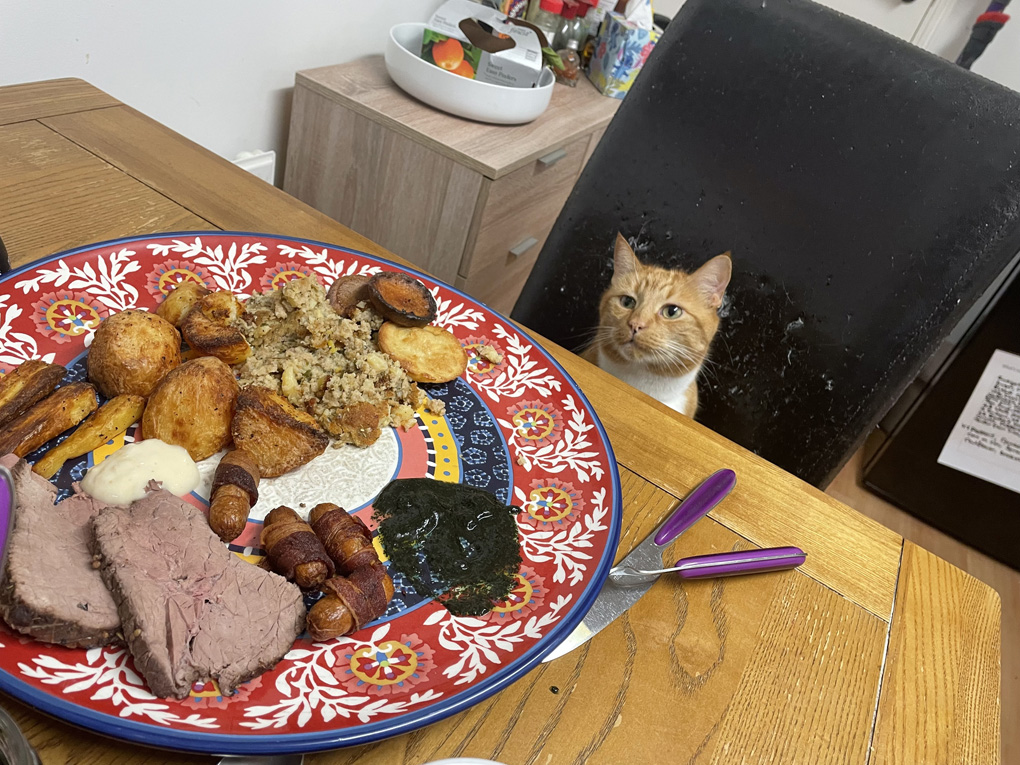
553, 157
523, 246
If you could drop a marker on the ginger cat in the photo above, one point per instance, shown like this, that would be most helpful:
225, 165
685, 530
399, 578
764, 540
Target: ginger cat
656, 325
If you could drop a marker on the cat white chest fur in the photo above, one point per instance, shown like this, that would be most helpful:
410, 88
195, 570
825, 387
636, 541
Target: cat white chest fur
671, 391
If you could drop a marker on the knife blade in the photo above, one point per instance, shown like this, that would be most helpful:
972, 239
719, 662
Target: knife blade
613, 599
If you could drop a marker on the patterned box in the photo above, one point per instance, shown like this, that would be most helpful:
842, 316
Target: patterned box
620, 52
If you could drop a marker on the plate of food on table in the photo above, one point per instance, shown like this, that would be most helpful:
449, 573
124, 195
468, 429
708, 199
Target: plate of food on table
274, 495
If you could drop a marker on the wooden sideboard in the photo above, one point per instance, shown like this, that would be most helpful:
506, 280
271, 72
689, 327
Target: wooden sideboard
469, 202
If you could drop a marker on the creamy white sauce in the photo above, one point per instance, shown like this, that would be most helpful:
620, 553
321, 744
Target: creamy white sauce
122, 477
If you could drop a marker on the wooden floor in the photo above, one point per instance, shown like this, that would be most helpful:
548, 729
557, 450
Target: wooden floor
847, 488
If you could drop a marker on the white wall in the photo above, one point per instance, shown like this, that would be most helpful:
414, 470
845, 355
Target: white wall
220, 72
1000, 61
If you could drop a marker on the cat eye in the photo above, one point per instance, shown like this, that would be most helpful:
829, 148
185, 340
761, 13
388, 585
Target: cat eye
627, 301
671, 311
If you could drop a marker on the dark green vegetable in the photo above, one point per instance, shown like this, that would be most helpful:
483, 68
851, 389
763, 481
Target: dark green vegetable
454, 543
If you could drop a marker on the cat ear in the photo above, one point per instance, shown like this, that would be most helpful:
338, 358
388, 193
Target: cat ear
713, 277
624, 260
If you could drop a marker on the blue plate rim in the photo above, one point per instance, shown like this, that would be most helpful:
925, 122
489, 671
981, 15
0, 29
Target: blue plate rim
276, 743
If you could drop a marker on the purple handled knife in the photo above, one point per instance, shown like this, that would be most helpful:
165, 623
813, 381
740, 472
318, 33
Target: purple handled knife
717, 564
613, 599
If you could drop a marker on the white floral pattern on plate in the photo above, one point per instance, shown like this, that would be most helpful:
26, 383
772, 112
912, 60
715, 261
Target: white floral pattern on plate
403, 671
353, 477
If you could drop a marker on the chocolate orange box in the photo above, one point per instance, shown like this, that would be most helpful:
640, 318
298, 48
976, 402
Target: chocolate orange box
482, 44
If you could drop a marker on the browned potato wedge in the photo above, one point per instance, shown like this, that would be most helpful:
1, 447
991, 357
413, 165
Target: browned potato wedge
131, 352
208, 332
278, 436
193, 407
428, 354
25, 385
346, 292
402, 299
64, 409
113, 418
180, 301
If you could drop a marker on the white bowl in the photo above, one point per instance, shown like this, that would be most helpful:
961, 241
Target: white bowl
459, 95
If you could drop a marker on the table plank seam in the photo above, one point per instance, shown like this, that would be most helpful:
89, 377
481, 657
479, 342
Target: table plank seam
43, 121
885, 618
70, 110
885, 657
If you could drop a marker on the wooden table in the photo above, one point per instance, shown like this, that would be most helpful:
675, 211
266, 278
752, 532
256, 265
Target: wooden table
875, 651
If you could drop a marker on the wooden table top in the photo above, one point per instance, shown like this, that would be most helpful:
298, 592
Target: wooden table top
875, 651
492, 150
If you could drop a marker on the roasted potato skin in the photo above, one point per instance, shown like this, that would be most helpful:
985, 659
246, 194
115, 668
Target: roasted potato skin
193, 407
427, 354
208, 331
181, 300
63, 409
113, 418
26, 385
131, 352
277, 436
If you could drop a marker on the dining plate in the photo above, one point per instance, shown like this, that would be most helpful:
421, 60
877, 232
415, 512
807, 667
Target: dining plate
519, 428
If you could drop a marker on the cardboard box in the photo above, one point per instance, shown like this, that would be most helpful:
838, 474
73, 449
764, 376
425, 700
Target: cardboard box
482, 44
620, 51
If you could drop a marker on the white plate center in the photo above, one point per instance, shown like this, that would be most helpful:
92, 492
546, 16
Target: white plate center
348, 476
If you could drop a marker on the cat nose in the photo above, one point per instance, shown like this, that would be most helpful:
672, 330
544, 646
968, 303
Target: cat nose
635, 327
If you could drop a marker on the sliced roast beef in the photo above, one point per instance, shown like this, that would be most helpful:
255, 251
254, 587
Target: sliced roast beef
191, 610
49, 589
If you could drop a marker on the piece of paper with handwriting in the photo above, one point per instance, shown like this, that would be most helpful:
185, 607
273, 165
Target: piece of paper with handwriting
985, 442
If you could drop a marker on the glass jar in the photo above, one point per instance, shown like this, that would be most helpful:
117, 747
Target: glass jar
571, 60
548, 19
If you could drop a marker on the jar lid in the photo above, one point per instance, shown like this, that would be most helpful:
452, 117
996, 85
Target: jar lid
553, 6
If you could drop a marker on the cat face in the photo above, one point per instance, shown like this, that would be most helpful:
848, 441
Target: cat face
660, 318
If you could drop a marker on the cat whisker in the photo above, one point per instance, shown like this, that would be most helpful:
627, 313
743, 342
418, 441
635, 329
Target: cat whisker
669, 361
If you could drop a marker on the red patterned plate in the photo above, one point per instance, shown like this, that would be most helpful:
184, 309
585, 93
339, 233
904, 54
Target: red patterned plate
520, 429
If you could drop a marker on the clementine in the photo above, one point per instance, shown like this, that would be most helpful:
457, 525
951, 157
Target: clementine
465, 70
448, 54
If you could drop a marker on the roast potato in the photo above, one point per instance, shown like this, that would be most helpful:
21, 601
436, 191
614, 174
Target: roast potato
180, 301
277, 436
428, 354
131, 352
193, 407
113, 418
402, 299
25, 385
63, 409
208, 331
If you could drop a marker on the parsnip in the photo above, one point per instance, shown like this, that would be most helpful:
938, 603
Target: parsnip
63, 409
113, 418
25, 385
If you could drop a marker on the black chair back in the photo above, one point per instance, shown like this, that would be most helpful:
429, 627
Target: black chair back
868, 190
